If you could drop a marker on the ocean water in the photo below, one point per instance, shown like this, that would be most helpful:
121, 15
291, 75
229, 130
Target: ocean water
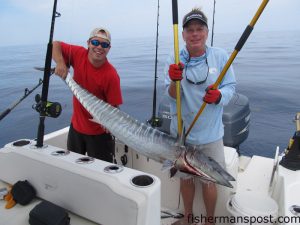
267, 71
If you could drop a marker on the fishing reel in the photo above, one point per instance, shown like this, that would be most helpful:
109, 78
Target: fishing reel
50, 109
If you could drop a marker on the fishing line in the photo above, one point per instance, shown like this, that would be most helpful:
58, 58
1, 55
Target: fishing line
27, 92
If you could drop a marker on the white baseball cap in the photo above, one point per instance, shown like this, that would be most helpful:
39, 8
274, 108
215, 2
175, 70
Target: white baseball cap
101, 33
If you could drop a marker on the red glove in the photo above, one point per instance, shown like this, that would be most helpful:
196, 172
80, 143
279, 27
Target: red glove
175, 71
212, 96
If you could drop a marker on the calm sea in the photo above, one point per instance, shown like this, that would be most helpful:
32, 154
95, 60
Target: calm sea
267, 70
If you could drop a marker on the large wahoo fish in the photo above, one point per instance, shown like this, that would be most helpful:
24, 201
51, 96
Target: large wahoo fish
150, 142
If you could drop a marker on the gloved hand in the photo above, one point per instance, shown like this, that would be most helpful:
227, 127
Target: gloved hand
175, 71
212, 96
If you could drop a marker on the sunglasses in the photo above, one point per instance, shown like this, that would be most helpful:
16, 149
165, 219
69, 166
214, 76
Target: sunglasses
97, 43
198, 82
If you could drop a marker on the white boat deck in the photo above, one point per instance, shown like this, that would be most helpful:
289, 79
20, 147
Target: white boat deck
257, 175
253, 175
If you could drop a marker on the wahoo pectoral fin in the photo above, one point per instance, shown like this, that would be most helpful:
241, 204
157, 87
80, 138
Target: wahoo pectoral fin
220, 170
168, 165
208, 168
226, 175
224, 182
173, 172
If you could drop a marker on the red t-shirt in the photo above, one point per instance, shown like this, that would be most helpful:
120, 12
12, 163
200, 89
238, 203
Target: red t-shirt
103, 82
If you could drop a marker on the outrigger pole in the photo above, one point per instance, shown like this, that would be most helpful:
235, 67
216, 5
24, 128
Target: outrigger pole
47, 74
238, 47
176, 54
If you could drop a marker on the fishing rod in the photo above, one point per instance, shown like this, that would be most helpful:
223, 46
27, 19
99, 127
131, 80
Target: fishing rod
213, 25
176, 54
155, 121
26, 93
237, 48
43, 103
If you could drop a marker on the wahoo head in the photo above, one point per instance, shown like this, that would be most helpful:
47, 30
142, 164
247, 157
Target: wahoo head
194, 162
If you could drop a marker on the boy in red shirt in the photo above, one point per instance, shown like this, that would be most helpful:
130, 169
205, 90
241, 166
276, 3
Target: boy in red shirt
94, 73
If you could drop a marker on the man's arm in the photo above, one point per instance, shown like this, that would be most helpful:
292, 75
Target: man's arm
172, 89
61, 68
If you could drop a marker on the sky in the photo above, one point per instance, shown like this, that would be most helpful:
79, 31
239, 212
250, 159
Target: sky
25, 22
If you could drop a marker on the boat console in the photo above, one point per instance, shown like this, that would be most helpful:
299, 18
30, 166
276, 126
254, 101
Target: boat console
102, 192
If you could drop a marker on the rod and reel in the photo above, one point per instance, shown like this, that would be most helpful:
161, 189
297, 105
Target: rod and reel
155, 121
27, 92
290, 160
47, 73
44, 107
53, 109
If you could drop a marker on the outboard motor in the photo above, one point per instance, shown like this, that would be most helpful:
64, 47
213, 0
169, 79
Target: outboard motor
236, 119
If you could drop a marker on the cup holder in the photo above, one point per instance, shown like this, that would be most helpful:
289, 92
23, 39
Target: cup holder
295, 210
85, 160
60, 153
142, 181
21, 143
113, 169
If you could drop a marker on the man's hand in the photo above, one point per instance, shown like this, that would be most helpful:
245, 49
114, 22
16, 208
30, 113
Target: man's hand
61, 70
175, 71
212, 95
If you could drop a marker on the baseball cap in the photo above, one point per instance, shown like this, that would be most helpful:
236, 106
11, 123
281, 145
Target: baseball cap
101, 33
195, 14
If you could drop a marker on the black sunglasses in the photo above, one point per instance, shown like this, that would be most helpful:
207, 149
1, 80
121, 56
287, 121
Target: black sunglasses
97, 43
198, 82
